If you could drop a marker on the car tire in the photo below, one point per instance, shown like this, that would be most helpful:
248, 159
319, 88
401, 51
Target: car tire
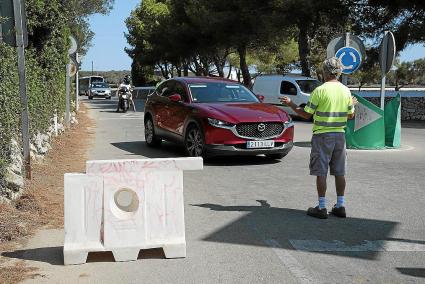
90, 97
194, 142
150, 137
108, 98
276, 156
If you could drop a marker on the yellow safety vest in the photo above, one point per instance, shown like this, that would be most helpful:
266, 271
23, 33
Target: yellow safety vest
330, 104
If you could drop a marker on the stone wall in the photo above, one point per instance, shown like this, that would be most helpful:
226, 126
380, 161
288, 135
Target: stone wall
412, 108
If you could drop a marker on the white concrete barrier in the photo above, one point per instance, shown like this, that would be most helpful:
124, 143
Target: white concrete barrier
124, 206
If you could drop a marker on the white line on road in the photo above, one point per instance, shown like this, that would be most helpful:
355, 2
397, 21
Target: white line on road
372, 246
294, 267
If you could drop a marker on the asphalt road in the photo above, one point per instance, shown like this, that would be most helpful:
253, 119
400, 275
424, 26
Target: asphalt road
246, 221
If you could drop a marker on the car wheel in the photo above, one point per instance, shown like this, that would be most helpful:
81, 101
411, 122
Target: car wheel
151, 139
194, 142
90, 97
276, 156
108, 98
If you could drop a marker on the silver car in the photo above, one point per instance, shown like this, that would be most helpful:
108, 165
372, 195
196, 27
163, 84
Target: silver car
100, 89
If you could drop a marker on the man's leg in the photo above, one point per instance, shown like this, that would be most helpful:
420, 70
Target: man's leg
321, 191
321, 150
338, 168
340, 185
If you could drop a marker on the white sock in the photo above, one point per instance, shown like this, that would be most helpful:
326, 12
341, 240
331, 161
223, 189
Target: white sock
340, 201
322, 202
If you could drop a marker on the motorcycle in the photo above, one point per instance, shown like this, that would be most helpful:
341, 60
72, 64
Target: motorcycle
124, 98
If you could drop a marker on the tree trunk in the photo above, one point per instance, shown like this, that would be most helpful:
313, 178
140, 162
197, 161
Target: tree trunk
244, 66
185, 70
304, 49
230, 71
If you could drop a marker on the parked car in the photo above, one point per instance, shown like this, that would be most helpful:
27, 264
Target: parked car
212, 116
100, 89
297, 87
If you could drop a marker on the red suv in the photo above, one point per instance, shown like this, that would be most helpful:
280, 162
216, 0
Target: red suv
212, 116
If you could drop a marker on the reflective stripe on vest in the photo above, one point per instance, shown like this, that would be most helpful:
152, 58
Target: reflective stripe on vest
312, 106
330, 124
332, 114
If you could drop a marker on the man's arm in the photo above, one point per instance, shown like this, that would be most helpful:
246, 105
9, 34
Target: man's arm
299, 110
351, 105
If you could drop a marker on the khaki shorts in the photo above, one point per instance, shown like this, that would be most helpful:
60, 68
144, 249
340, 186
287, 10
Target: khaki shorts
328, 150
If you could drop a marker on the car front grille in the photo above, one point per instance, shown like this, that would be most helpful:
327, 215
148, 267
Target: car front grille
251, 130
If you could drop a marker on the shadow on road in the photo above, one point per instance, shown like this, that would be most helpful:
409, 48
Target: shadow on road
288, 226
415, 272
303, 144
139, 148
172, 150
54, 255
51, 255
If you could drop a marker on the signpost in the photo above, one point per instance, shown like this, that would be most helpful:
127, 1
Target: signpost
72, 50
353, 55
386, 60
13, 32
351, 59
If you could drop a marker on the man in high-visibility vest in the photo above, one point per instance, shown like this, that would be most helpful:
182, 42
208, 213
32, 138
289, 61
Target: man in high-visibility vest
330, 104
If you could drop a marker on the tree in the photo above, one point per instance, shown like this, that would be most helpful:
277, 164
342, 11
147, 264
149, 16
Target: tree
406, 19
315, 22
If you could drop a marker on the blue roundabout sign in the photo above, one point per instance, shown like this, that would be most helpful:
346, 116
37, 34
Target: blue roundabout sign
351, 59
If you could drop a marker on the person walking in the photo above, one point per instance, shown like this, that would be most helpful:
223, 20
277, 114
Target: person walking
330, 104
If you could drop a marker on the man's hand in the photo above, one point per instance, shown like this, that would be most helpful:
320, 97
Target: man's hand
354, 99
285, 100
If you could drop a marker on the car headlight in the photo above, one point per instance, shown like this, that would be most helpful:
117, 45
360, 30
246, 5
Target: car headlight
219, 123
94, 91
289, 122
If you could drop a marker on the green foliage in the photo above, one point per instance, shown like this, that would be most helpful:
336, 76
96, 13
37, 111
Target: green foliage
49, 22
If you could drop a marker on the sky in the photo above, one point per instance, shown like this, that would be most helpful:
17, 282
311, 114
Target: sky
107, 52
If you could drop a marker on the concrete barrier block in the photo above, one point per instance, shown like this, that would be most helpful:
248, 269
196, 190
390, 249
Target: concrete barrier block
141, 207
83, 211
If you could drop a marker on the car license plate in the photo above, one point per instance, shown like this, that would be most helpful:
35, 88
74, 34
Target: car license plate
260, 144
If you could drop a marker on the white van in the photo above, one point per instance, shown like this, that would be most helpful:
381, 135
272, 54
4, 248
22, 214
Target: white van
297, 87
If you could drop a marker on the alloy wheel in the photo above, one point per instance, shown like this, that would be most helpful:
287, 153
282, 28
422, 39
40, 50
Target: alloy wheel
194, 142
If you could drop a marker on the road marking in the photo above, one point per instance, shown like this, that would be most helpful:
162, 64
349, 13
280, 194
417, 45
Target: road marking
371, 246
131, 115
299, 272
290, 262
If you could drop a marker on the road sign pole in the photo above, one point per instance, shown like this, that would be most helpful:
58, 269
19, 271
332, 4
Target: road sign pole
384, 67
68, 103
22, 84
77, 91
347, 44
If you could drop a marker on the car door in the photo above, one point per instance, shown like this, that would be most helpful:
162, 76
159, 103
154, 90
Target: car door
162, 103
177, 111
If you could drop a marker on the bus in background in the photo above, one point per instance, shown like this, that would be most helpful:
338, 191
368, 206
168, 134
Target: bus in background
85, 84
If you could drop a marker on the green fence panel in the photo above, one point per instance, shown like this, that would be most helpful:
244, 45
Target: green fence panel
393, 122
367, 130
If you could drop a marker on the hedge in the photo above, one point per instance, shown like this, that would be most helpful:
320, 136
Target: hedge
45, 91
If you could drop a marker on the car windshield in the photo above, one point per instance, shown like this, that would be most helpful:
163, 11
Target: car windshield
308, 86
100, 85
219, 92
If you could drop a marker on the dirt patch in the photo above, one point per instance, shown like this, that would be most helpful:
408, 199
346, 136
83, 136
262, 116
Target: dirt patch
41, 205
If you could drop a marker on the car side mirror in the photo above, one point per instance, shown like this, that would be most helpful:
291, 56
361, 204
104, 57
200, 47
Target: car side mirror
260, 97
175, 98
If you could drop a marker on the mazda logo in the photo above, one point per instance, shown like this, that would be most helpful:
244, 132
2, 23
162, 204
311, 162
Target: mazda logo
261, 127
